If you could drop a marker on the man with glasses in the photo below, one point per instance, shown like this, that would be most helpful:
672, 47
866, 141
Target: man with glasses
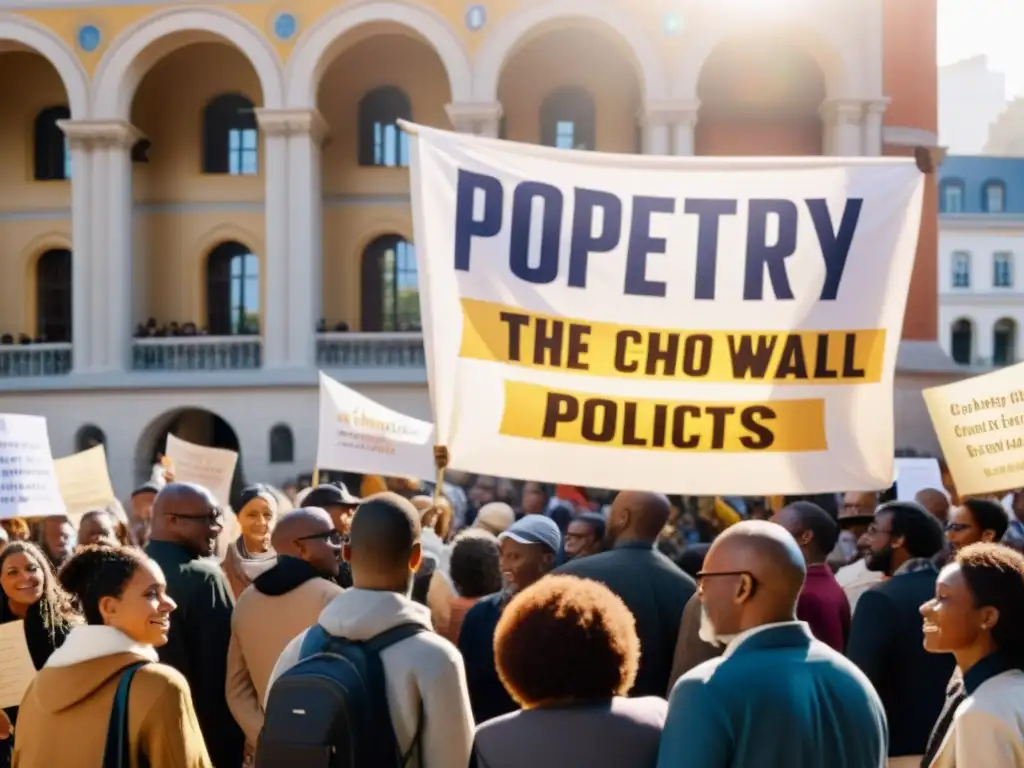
341, 505
186, 523
886, 639
280, 604
777, 697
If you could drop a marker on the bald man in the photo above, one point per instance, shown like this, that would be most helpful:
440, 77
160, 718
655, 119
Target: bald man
935, 501
651, 585
423, 673
278, 605
184, 529
776, 698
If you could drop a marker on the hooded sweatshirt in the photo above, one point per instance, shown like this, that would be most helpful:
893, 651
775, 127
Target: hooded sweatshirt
66, 711
281, 603
424, 667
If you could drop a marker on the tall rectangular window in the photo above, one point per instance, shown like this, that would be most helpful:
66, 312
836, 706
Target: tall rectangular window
961, 269
1002, 270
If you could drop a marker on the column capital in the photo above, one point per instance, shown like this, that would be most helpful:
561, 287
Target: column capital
89, 134
293, 122
843, 111
877, 106
668, 113
473, 116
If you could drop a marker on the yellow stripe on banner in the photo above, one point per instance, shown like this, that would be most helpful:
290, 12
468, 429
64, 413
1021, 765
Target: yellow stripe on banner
498, 333
540, 413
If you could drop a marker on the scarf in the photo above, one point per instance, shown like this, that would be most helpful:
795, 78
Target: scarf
289, 573
253, 565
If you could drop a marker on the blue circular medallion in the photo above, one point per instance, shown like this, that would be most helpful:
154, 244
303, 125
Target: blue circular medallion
672, 23
285, 26
89, 37
476, 17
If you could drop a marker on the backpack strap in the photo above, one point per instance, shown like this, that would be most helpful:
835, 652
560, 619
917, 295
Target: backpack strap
386, 639
313, 642
117, 752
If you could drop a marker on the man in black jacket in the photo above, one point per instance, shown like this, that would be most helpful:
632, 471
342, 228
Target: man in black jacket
886, 639
653, 587
186, 524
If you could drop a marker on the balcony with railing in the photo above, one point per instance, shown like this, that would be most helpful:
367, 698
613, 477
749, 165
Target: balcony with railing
197, 353
24, 361
372, 357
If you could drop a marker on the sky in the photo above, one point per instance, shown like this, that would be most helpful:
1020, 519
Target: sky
992, 27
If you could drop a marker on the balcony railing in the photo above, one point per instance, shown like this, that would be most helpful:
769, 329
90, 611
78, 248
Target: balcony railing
197, 353
370, 350
29, 360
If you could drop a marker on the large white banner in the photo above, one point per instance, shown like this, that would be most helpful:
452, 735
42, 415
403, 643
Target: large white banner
706, 325
358, 434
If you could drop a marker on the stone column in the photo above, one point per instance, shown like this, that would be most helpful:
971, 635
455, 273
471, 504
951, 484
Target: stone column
292, 265
656, 125
873, 119
683, 138
481, 118
102, 264
843, 131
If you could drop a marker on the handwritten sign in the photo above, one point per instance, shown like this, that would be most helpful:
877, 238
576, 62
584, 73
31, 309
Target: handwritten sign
358, 434
16, 667
212, 468
84, 481
980, 426
28, 480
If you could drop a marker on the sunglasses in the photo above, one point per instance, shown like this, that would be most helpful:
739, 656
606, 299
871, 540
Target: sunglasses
331, 537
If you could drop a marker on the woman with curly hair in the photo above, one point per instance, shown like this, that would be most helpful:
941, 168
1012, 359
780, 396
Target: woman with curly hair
977, 615
123, 595
31, 594
567, 651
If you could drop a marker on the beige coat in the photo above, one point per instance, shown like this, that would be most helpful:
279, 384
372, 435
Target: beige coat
64, 716
261, 626
988, 728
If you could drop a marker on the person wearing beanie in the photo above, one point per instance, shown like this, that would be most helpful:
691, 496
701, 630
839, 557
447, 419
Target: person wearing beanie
528, 549
251, 554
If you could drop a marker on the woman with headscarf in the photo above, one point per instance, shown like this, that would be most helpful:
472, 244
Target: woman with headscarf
251, 554
31, 594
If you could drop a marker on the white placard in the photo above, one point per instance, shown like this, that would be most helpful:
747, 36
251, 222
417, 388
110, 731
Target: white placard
28, 480
915, 474
358, 434
212, 468
709, 325
16, 667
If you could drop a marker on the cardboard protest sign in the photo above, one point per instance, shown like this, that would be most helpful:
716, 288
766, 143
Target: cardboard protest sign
980, 426
212, 468
84, 481
28, 479
358, 434
719, 325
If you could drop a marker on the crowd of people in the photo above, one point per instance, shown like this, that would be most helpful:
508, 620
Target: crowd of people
498, 624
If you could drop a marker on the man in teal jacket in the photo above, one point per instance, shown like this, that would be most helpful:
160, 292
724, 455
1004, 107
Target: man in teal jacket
777, 698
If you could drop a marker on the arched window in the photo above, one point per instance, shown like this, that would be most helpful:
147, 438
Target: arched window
993, 197
88, 437
381, 141
961, 276
951, 196
391, 297
1004, 342
52, 158
232, 290
282, 445
961, 341
53, 295
568, 119
230, 137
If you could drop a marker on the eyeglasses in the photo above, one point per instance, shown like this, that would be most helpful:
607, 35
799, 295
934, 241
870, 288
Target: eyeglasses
709, 574
216, 516
872, 530
331, 537
957, 527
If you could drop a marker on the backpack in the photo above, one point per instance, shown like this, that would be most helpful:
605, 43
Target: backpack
331, 709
